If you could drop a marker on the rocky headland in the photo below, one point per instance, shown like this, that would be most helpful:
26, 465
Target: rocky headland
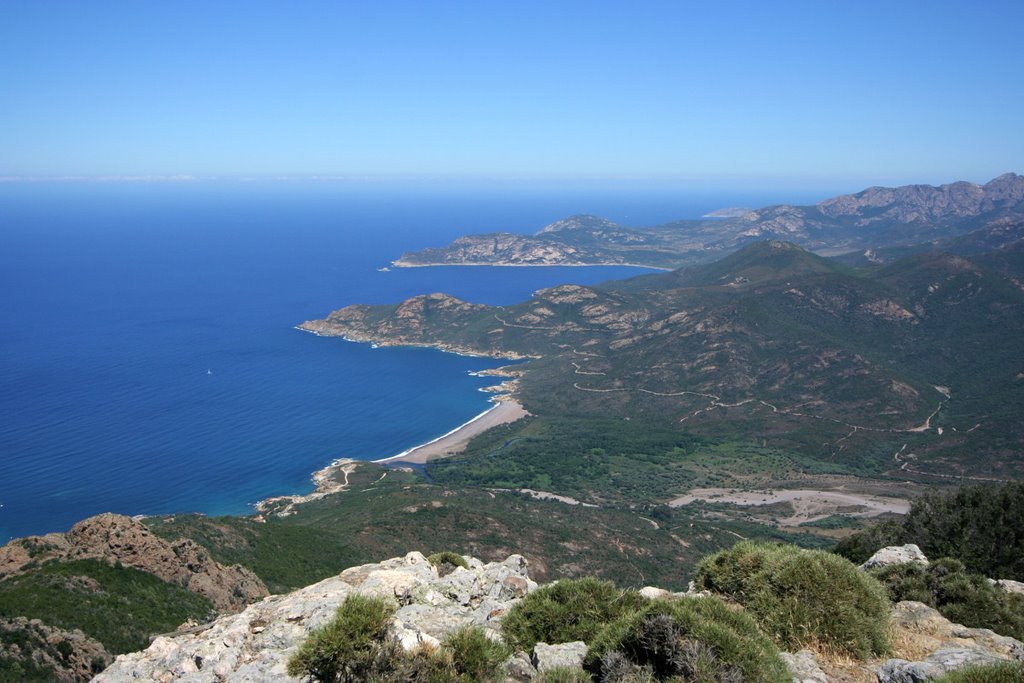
117, 539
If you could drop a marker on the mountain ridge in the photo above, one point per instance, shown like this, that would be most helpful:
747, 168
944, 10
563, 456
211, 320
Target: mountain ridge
874, 218
770, 334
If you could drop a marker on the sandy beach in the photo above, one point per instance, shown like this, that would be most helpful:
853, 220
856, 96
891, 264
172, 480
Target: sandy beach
503, 412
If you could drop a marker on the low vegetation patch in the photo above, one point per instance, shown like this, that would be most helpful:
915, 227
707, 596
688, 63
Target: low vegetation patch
447, 561
563, 612
355, 646
802, 597
563, 674
691, 639
835, 522
961, 597
1007, 672
92, 596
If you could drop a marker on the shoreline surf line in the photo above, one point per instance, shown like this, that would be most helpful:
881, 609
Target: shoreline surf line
504, 411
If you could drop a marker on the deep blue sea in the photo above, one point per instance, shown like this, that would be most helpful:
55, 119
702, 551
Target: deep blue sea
148, 360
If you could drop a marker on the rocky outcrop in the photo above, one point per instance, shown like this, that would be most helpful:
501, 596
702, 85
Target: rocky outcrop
1009, 585
560, 656
896, 554
255, 644
118, 539
948, 646
804, 667
68, 655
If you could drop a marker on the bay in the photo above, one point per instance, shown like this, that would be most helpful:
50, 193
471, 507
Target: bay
148, 358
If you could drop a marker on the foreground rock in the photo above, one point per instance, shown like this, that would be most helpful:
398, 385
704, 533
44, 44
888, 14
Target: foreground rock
561, 656
255, 645
948, 646
896, 554
118, 539
804, 667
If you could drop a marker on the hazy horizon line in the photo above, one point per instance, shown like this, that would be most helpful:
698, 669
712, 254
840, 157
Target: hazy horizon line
717, 179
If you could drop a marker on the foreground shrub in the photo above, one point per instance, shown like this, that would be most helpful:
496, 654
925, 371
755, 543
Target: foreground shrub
802, 597
1007, 672
573, 609
964, 598
474, 656
447, 561
351, 647
691, 639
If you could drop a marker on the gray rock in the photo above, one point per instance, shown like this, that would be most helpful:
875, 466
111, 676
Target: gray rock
1010, 586
804, 667
569, 655
896, 554
902, 671
953, 646
938, 663
655, 593
519, 668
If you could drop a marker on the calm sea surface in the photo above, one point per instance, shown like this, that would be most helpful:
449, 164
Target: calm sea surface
148, 361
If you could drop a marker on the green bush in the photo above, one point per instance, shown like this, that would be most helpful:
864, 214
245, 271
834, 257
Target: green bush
802, 597
570, 610
563, 674
447, 561
691, 639
964, 598
474, 656
352, 647
1007, 672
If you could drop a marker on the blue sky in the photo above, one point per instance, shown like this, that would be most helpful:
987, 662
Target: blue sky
743, 92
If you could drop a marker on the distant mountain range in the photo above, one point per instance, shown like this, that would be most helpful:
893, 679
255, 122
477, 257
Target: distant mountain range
878, 219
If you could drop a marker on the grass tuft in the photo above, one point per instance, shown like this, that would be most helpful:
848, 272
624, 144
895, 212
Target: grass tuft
447, 561
1007, 672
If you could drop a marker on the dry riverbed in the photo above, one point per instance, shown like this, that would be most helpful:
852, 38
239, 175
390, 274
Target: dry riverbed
808, 505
